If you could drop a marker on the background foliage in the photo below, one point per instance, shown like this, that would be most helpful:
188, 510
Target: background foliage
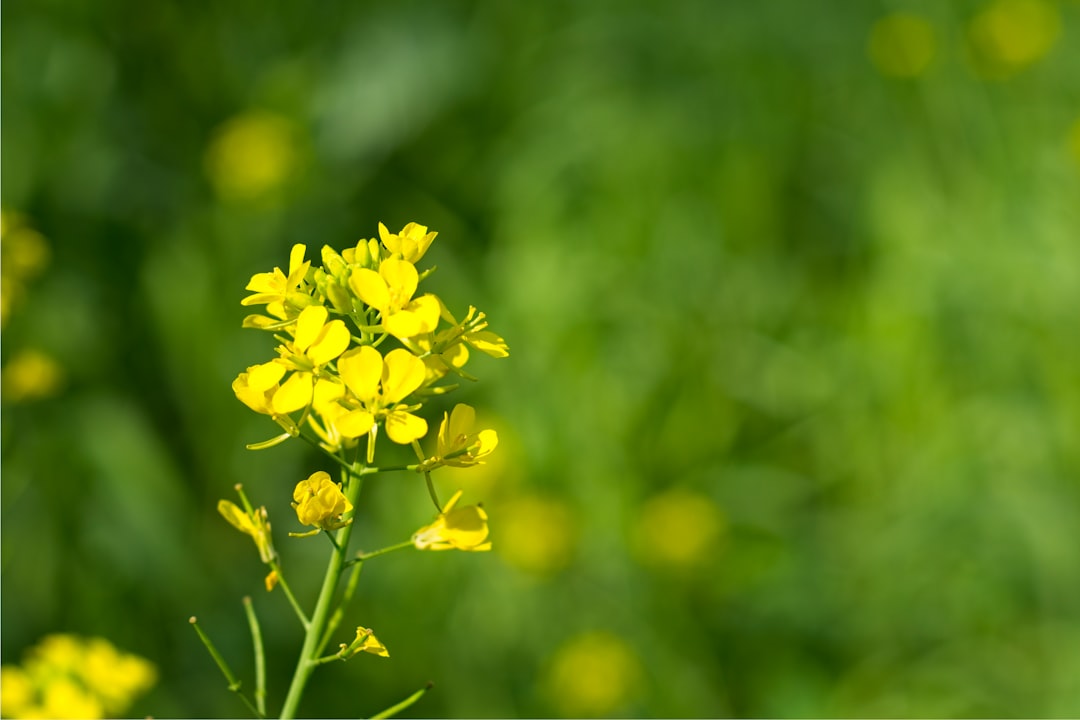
790, 425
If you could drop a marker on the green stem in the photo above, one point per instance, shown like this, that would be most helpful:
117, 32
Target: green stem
346, 598
234, 684
289, 594
319, 619
260, 657
382, 551
394, 709
427, 475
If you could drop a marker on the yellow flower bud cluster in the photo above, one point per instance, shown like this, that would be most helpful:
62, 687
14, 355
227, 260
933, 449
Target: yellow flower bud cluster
65, 676
331, 322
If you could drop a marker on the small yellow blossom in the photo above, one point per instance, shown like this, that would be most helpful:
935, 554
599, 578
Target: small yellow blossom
284, 295
679, 528
365, 642
320, 502
380, 385
410, 243
315, 342
390, 291
537, 535
458, 445
254, 524
455, 529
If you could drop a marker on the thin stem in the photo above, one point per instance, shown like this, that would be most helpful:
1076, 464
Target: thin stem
382, 551
289, 594
394, 709
427, 475
260, 657
346, 598
234, 684
320, 617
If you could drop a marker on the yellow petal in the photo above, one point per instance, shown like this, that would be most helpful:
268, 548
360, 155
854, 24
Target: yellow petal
401, 277
370, 287
331, 342
355, 424
403, 324
361, 370
403, 427
236, 517
308, 325
489, 343
403, 374
294, 394
265, 376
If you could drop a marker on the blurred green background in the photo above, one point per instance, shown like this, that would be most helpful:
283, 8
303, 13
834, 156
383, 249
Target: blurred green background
791, 423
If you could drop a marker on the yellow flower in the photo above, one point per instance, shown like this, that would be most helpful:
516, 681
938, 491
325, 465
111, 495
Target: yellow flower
320, 502
390, 291
251, 154
410, 243
315, 342
679, 529
593, 675
537, 535
284, 295
1010, 35
458, 445
254, 524
455, 529
380, 385
365, 642
72, 677
31, 374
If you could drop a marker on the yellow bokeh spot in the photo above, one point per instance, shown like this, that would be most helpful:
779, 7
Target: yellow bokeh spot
65, 676
250, 155
678, 528
536, 535
901, 45
1009, 35
593, 675
31, 375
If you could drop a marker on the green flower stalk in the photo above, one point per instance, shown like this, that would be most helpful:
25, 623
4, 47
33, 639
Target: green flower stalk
360, 351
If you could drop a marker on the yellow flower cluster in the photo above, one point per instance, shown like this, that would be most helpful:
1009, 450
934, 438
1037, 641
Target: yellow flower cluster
65, 676
330, 322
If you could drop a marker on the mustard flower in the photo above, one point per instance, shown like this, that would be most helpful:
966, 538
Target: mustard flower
284, 295
337, 425
365, 642
455, 529
315, 342
258, 387
320, 502
254, 524
390, 291
457, 444
410, 243
380, 384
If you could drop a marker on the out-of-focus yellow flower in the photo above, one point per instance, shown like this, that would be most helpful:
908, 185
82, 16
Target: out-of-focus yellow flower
593, 675
457, 444
365, 642
1010, 35
537, 535
70, 677
318, 501
251, 154
380, 385
678, 528
390, 291
410, 243
31, 374
24, 253
455, 529
256, 524
284, 295
902, 45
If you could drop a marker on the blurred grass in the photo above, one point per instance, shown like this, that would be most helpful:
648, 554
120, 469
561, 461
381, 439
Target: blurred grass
803, 277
